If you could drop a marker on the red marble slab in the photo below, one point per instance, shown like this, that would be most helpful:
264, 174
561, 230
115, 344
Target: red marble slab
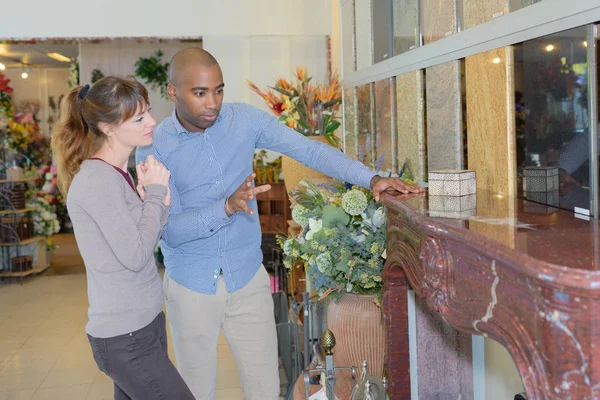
533, 286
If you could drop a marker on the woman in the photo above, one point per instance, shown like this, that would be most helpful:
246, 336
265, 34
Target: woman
116, 232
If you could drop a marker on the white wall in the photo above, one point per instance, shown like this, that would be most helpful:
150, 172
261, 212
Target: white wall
118, 58
174, 18
40, 84
262, 59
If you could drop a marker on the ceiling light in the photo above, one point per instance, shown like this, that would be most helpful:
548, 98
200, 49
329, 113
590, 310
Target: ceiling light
24, 75
59, 57
497, 60
2, 67
585, 43
550, 47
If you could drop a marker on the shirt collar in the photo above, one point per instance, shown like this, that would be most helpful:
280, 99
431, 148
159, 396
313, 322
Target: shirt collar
178, 127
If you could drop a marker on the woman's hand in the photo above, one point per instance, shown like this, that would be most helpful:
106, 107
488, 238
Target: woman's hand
152, 172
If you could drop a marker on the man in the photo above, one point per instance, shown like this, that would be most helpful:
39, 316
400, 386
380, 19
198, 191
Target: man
215, 279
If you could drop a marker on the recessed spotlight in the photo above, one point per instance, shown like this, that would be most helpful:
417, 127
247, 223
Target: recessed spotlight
549, 48
497, 60
2, 67
24, 75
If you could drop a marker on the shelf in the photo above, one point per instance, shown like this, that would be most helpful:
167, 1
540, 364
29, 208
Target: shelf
34, 270
18, 180
20, 211
24, 242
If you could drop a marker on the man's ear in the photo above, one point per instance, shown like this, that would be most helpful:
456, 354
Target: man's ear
172, 92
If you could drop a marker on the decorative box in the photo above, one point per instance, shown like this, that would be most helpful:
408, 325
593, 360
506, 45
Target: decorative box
550, 198
15, 229
455, 207
16, 198
453, 203
452, 183
21, 263
540, 179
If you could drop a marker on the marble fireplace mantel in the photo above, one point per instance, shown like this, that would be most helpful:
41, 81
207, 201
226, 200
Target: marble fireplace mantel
523, 274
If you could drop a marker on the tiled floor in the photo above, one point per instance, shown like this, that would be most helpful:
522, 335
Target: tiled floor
44, 353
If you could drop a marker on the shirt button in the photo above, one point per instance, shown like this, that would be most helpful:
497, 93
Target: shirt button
215, 276
212, 230
211, 159
216, 271
217, 182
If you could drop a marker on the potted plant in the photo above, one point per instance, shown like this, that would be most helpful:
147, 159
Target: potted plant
342, 246
154, 72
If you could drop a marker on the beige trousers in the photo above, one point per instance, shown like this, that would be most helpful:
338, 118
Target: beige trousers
247, 319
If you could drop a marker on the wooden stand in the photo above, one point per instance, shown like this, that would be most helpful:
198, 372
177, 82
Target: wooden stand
22, 239
274, 209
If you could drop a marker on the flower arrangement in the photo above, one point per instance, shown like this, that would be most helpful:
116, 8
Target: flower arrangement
5, 92
342, 244
45, 220
47, 200
304, 107
24, 137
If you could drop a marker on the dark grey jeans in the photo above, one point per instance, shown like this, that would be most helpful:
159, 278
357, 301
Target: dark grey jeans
139, 365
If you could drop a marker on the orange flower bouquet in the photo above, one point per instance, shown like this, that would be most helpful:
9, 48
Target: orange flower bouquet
307, 108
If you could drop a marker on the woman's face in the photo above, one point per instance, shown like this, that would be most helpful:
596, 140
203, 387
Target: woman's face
137, 130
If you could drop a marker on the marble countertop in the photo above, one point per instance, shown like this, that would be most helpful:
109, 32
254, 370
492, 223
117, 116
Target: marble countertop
542, 232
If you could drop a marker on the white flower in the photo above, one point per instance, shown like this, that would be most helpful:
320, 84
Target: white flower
349, 287
384, 254
354, 202
299, 215
315, 225
324, 262
48, 176
378, 219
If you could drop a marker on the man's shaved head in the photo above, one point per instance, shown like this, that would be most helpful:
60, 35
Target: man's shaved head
183, 59
196, 87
